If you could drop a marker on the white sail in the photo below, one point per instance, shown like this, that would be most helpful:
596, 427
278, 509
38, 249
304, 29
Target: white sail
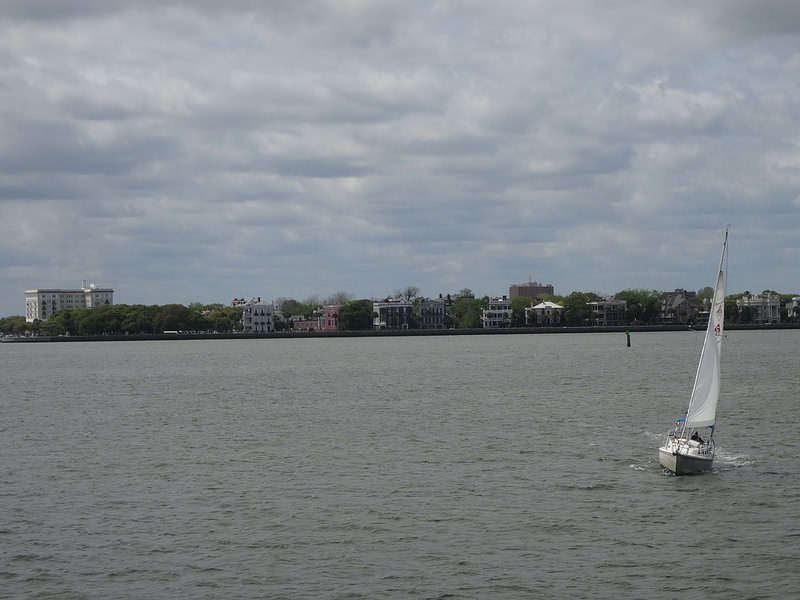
703, 403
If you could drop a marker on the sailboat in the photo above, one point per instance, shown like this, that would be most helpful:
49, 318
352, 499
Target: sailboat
689, 448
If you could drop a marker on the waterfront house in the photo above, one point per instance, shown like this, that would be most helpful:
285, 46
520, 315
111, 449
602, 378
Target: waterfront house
497, 314
608, 312
391, 314
544, 313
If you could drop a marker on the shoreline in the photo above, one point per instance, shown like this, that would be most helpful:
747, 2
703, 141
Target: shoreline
383, 333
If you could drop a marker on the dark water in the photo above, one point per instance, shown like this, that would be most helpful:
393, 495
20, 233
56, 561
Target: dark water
464, 467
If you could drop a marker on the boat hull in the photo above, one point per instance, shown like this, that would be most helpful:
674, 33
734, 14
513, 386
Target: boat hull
683, 464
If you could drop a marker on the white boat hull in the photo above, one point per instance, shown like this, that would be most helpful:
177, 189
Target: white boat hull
684, 459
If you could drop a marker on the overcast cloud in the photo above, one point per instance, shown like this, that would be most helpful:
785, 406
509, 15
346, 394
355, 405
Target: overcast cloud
201, 151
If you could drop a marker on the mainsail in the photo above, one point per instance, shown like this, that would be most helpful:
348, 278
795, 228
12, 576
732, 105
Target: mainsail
703, 403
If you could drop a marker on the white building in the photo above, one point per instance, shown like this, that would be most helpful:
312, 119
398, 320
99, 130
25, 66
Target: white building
498, 314
42, 304
764, 308
257, 316
544, 313
391, 314
793, 308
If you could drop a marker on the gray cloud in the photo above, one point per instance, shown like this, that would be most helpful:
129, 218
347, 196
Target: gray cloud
185, 151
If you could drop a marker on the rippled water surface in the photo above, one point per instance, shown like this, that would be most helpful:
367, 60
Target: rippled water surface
509, 466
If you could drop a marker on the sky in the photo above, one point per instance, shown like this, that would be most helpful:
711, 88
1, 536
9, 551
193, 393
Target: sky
201, 151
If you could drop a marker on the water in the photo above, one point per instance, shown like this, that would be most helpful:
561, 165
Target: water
460, 467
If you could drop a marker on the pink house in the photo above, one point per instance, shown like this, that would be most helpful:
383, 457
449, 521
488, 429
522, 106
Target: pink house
329, 318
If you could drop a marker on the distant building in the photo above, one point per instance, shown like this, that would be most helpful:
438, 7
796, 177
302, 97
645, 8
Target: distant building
793, 309
328, 319
763, 308
300, 323
257, 316
497, 314
676, 308
608, 312
42, 304
431, 313
450, 298
531, 289
391, 314
544, 313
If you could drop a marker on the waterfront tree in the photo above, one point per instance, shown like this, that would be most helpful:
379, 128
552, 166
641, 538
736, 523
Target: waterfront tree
15, 324
340, 298
465, 312
644, 306
356, 315
172, 317
576, 307
518, 306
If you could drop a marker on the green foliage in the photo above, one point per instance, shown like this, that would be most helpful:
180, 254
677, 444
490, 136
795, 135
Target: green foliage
576, 307
13, 325
356, 315
644, 306
225, 319
732, 312
173, 317
518, 306
198, 307
290, 306
465, 313
132, 319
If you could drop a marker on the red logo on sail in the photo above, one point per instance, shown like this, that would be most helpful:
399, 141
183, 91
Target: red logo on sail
716, 329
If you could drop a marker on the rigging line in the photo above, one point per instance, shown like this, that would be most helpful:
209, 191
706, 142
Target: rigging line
725, 281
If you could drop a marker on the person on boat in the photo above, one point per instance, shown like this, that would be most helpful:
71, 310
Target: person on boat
696, 437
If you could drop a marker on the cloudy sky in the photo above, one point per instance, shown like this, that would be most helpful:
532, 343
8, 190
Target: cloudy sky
204, 150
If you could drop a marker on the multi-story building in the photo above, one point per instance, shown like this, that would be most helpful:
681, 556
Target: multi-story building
431, 313
608, 313
676, 308
257, 316
328, 319
497, 314
544, 313
41, 304
763, 308
531, 289
391, 314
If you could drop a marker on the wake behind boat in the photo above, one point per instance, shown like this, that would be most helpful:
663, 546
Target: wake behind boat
689, 448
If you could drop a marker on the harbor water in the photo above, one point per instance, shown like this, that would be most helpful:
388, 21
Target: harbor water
493, 466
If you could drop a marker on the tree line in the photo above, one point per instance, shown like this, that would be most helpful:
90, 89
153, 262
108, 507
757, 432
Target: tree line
643, 308
130, 319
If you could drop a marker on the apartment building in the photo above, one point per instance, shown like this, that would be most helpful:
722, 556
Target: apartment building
41, 304
531, 289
